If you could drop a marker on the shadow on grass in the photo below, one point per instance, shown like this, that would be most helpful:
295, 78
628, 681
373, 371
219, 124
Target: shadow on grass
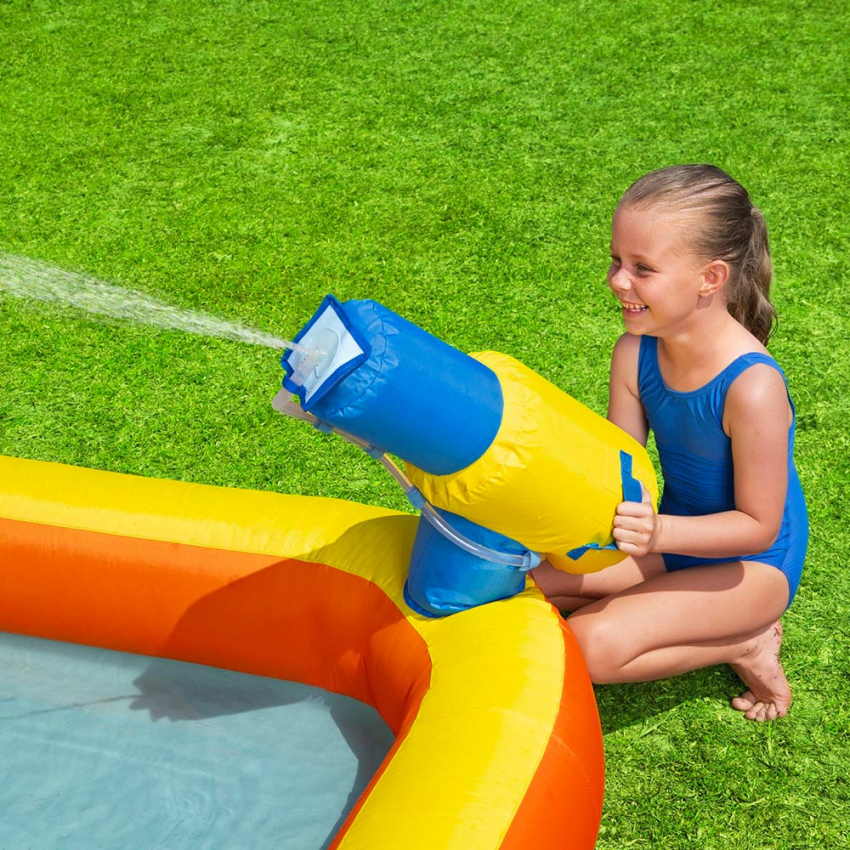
622, 706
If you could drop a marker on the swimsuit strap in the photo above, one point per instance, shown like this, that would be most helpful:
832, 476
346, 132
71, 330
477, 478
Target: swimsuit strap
742, 363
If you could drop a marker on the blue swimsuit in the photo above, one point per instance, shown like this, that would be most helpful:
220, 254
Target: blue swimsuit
696, 460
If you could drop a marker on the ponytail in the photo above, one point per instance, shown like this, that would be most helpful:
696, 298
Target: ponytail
748, 295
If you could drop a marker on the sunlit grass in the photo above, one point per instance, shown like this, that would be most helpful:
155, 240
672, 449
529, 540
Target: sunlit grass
457, 161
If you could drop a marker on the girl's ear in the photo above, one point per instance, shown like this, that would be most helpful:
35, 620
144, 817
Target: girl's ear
714, 277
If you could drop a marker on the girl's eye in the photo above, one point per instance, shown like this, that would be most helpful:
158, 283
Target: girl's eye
642, 269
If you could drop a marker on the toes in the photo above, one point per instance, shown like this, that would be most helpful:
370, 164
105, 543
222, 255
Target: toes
758, 712
744, 702
781, 709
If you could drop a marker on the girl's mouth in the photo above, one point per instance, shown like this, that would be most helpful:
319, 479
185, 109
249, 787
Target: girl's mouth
633, 309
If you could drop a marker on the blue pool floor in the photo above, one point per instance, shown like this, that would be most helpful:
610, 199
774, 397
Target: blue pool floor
104, 750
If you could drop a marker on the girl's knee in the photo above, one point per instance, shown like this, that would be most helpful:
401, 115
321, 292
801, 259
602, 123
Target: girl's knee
602, 644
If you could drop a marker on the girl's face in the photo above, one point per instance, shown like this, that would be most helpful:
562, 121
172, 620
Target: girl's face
656, 279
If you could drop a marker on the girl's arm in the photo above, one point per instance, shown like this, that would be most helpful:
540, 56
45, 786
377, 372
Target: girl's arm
757, 419
624, 404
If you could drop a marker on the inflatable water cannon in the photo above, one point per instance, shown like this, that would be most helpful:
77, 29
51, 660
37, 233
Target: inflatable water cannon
505, 467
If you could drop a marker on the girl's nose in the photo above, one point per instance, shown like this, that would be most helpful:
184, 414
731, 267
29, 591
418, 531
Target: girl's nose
618, 280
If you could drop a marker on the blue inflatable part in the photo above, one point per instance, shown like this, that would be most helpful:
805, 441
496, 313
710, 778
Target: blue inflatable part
445, 579
415, 396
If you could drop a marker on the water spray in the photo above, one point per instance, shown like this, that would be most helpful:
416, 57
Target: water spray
21, 277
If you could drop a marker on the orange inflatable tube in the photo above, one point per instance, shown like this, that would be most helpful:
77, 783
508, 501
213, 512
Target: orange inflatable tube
498, 743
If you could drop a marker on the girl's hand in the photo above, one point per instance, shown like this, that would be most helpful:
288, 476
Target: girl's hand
637, 527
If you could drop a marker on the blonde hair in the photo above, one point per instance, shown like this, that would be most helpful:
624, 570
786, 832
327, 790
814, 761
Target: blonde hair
728, 227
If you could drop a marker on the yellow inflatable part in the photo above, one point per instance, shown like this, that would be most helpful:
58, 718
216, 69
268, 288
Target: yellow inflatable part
590, 562
551, 479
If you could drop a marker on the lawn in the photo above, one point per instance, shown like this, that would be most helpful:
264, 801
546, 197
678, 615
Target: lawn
459, 162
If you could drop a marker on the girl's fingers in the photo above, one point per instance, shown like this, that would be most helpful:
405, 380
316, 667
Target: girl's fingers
634, 549
632, 535
635, 509
634, 523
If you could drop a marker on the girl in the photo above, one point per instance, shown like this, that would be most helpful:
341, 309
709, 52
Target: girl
708, 577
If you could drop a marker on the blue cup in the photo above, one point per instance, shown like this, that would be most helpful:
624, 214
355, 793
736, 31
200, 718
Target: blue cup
445, 579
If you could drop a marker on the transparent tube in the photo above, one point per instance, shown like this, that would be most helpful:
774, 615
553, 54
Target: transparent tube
526, 561
283, 403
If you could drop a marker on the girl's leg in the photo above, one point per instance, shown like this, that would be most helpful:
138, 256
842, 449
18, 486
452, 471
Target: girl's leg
685, 620
569, 592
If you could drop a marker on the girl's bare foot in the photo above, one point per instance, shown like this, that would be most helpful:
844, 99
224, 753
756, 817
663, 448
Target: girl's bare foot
769, 695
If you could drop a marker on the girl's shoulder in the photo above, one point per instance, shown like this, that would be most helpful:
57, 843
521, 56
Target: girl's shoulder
758, 392
633, 354
624, 362
627, 347
757, 380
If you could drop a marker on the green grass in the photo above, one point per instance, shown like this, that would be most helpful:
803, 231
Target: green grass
458, 161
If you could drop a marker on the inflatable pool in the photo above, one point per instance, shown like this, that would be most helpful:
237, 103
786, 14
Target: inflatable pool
497, 737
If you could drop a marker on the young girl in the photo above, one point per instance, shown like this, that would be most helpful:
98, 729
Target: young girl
708, 577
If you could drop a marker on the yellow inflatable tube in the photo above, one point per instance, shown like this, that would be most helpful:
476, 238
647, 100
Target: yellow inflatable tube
551, 479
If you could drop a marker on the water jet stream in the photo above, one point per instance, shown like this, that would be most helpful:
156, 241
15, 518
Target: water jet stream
22, 277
